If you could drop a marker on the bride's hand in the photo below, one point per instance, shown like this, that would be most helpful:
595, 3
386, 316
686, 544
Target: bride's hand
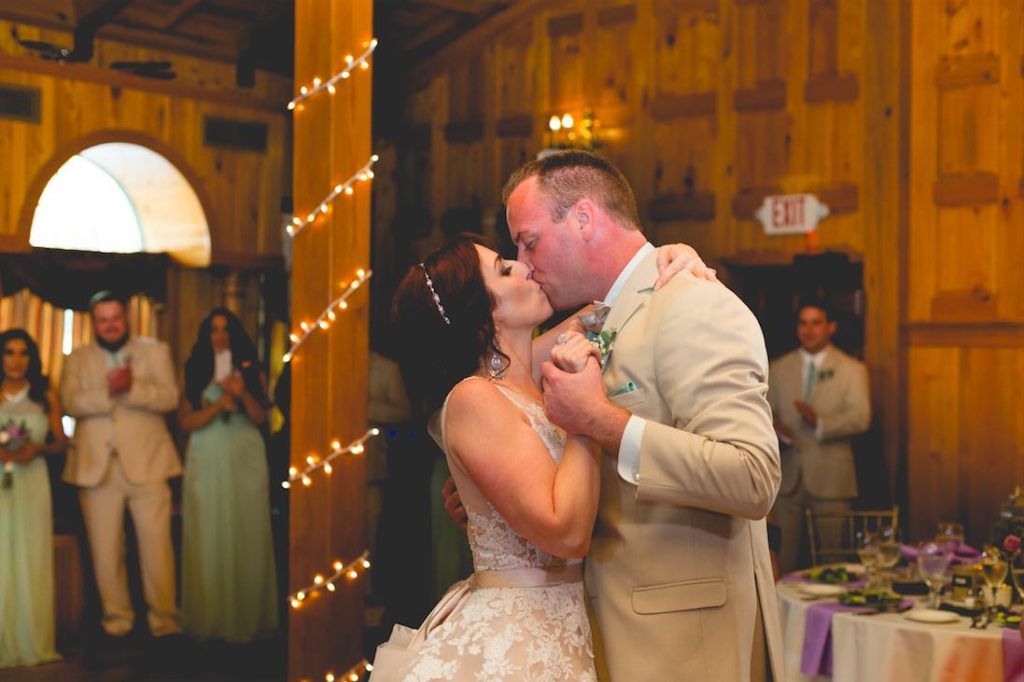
571, 351
675, 258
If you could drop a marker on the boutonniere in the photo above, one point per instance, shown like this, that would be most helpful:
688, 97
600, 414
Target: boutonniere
826, 374
603, 341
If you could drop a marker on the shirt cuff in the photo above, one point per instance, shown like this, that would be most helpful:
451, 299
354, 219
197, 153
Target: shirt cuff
629, 449
819, 430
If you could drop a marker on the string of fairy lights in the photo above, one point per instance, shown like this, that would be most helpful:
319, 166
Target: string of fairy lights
351, 571
351, 64
326, 317
313, 462
351, 675
346, 188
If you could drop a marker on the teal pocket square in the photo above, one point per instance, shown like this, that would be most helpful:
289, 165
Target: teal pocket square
627, 387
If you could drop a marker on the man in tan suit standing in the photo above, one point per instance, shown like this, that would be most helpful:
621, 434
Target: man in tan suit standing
679, 573
119, 389
820, 399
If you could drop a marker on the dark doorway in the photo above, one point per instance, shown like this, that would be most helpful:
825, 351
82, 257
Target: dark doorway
773, 292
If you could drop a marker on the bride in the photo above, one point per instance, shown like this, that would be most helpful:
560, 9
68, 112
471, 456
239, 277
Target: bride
467, 317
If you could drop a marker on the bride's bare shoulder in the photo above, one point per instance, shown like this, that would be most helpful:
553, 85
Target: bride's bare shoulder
474, 394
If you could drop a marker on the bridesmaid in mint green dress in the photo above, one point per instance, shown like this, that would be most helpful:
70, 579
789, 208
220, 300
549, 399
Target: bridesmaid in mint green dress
228, 577
27, 625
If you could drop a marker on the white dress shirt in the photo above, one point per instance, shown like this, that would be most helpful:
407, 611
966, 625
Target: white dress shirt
633, 435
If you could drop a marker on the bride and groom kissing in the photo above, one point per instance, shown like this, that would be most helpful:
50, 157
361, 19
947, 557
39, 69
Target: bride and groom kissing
650, 452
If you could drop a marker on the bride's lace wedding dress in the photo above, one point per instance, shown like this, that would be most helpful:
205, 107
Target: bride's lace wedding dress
510, 633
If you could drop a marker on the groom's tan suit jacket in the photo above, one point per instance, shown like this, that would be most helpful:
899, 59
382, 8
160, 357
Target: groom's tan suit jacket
132, 424
679, 573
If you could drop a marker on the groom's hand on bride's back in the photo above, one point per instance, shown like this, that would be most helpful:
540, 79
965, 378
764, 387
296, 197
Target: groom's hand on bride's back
453, 504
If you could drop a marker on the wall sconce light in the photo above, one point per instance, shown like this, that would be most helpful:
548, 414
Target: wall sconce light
565, 133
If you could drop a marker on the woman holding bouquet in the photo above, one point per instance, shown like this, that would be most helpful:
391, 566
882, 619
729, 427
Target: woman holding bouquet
228, 575
30, 427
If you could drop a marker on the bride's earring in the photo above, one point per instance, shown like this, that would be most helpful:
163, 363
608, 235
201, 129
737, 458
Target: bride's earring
496, 367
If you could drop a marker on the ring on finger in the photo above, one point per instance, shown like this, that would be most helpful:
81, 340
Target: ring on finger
560, 339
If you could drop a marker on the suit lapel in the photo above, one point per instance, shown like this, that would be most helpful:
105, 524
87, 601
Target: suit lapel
634, 294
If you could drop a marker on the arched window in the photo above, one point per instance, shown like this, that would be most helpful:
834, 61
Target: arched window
120, 197
84, 208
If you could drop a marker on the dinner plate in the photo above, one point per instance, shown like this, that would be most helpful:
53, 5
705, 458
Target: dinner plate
822, 589
931, 616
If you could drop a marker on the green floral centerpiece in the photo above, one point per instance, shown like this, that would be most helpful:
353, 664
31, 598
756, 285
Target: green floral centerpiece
1008, 529
882, 600
832, 575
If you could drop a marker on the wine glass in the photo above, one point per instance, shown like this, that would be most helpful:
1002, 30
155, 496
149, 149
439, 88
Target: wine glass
888, 540
933, 565
950, 534
994, 568
867, 552
1017, 573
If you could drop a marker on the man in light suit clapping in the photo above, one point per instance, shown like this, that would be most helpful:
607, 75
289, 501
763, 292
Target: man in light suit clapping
820, 400
119, 389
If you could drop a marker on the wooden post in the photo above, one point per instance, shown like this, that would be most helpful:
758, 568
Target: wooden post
329, 372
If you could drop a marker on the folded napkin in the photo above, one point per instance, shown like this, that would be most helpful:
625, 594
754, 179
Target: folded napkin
1013, 656
816, 657
962, 552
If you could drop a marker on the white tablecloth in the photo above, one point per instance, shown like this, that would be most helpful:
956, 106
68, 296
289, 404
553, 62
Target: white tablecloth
890, 648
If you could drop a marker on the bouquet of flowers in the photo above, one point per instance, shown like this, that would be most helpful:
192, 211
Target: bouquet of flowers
1008, 530
13, 436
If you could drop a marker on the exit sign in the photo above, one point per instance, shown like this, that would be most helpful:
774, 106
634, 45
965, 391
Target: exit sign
790, 213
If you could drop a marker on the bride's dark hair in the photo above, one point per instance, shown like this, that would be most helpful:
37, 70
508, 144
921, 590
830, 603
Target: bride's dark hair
435, 354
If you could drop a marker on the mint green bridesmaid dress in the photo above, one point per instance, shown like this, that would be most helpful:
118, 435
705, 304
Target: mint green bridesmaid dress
27, 621
228, 579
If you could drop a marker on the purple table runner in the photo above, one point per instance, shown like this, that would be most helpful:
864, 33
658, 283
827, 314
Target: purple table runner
816, 657
1013, 656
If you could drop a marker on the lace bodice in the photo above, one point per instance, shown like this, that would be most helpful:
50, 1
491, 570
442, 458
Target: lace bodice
493, 542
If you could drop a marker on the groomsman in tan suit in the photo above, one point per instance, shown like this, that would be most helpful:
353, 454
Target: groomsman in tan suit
819, 396
679, 574
119, 389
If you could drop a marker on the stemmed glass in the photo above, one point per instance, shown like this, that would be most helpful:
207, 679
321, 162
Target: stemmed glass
888, 540
950, 535
994, 568
867, 552
933, 564
1017, 573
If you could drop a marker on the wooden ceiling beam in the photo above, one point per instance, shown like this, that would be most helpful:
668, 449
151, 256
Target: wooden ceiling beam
59, 14
471, 7
159, 15
471, 42
109, 77
153, 38
434, 30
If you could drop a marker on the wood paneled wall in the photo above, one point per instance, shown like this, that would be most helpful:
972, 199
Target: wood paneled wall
86, 104
330, 372
707, 106
963, 267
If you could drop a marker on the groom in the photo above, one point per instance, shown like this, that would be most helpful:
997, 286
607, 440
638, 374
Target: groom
678, 573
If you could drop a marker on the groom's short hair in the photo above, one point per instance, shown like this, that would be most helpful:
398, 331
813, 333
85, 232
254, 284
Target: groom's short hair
568, 176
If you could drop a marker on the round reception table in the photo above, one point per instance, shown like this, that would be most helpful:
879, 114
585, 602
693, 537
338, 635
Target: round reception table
823, 643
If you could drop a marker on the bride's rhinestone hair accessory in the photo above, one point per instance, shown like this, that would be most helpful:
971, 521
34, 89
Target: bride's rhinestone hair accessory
433, 293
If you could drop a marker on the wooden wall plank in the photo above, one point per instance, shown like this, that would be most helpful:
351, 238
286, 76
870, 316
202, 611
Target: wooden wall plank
933, 435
